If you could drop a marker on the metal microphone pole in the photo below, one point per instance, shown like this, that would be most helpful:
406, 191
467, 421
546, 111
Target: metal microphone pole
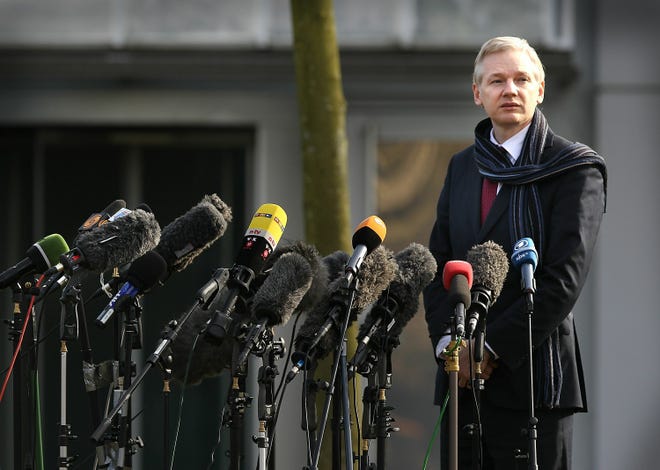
477, 388
271, 351
69, 331
167, 376
15, 325
238, 401
532, 463
452, 367
369, 416
25, 382
171, 332
309, 422
132, 340
376, 417
384, 417
340, 360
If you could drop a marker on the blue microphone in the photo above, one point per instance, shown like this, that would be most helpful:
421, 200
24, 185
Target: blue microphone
144, 273
526, 258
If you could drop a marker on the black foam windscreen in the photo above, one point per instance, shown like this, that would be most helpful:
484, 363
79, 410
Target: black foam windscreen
188, 235
319, 269
490, 265
335, 263
220, 205
416, 268
208, 359
378, 270
280, 294
145, 272
99, 218
119, 242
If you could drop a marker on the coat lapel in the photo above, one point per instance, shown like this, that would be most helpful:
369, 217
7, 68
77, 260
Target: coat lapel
498, 211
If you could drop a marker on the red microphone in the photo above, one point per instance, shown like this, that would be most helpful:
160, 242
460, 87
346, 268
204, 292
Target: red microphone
457, 279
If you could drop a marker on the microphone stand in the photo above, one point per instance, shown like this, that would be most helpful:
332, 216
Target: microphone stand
369, 417
477, 388
271, 351
73, 309
17, 381
345, 301
167, 377
69, 331
169, 334
532, 462
376, 412
452, 367
309, 421
384, 416
28, 443
238, 401
172, 330
132, 340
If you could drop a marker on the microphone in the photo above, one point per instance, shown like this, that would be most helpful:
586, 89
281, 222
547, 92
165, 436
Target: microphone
457, 280
108, 245
278, 297
319, 333
261, 238
525, 258
144, 273
209, 359
319, 284
397, 304
490, 266
335, 264
183, 239
100, 218
112, 244
39, 257
368, 235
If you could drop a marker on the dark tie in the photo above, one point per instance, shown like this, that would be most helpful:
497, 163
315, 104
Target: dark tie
488, 193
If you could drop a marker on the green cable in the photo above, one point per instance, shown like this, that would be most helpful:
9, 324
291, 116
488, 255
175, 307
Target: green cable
442, 412
39, 457
435, 431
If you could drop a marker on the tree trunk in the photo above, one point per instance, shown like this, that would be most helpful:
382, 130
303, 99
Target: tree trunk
322, 111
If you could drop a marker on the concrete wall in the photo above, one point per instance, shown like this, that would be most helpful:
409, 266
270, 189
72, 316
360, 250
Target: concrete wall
627, 89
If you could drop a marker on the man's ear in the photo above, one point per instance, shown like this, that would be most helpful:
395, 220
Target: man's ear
476, 94
541, 95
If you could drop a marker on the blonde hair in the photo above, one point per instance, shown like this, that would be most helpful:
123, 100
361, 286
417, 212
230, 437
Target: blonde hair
504, 43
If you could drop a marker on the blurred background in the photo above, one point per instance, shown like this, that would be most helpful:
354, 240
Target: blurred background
161, 101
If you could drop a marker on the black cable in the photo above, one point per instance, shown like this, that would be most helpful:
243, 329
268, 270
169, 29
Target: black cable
477, 410
357, 418
281, 388
217, 444
35, 344
304, 404
183, 388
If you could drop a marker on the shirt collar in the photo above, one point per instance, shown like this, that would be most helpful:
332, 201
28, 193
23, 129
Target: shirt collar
513, 144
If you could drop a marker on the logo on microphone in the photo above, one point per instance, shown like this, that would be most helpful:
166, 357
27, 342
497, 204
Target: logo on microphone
521, 244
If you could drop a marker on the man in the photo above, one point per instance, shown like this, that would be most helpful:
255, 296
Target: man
552, 191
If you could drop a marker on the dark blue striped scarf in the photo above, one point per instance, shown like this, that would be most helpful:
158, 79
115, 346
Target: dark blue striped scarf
526, 216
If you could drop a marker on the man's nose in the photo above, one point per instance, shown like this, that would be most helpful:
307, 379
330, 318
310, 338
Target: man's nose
510, 87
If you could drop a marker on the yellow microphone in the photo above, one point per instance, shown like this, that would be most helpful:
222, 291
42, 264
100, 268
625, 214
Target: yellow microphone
261, 237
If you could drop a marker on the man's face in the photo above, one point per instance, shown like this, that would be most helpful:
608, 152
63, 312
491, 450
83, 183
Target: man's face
509, 91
